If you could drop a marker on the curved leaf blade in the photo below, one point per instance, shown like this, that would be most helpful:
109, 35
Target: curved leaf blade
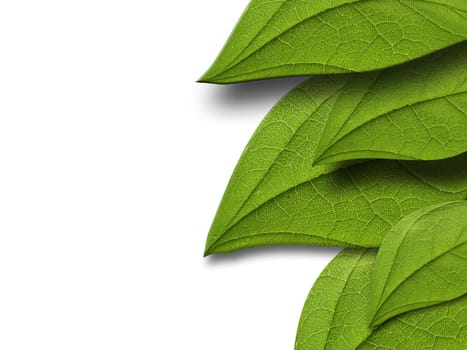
293, 37
413, 111
422, 261
276, 196
277, 162
353, 206
335, 314
438, 327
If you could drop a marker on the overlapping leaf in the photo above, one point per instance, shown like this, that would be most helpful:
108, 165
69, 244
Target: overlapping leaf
413, 111
440, 327
411, 295
335, 315
276, 196
294, 37
346, 207
422, 261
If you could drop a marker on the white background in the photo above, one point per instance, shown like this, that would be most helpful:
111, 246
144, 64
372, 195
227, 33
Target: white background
112, 164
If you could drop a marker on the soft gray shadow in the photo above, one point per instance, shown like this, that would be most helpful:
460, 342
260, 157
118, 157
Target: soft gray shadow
279, 251
251, 93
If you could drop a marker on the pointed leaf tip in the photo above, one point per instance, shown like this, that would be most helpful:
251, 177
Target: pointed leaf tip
269, 39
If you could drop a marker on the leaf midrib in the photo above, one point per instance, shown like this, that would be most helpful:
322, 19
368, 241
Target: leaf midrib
231, 222
375, 320
255, 209
345, 165
376, 79
322, 156
234, 64
256, 35
401, 310
336, 303
379, 304
386, 279
341, 294
234, 61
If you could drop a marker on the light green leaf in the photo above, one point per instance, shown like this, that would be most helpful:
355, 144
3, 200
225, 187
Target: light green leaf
275, 195
440, 327
296, 37
422, 261
350, 206
335, 315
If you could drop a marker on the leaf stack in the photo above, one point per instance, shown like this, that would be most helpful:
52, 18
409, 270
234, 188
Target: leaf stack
369, 154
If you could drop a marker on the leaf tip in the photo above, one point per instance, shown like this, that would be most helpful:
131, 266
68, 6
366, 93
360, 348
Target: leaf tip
206, 253
211, 80
375, 323
202, 79
207, 77
321, 159
317, 161
208, 250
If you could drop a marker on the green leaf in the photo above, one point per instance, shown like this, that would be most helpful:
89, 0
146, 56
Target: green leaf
276, 196
413, 111
335, 315
440, 327
295, 37
339, 207
422, 261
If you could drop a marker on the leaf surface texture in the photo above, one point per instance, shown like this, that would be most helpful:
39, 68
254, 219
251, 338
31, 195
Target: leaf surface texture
422, 261
295, 37
352, 206
413, 111
276, 196
335, 315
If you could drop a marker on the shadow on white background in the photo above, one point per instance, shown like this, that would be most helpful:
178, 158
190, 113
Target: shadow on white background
113, 162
